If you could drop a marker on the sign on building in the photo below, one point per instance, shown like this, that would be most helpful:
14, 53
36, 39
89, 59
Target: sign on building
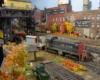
60, 2
49, 12
83, 23
55, 11
62, 11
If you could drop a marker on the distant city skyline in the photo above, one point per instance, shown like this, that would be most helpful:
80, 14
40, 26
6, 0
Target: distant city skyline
77, 5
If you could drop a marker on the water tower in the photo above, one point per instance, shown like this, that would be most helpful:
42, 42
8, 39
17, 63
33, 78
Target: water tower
85, 5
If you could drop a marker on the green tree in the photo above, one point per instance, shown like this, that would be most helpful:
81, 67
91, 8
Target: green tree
54, 27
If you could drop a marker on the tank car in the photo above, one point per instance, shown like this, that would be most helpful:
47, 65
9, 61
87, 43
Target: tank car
64, 47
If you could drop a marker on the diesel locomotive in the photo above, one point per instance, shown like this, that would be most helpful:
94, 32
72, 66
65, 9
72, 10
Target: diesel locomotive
64, 47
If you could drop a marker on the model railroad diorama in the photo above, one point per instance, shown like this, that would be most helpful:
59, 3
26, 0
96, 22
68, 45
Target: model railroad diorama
48, 58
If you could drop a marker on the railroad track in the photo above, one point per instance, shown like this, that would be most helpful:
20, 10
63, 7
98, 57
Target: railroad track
94, 66
91, 65
60, 73
89, 41
92, 49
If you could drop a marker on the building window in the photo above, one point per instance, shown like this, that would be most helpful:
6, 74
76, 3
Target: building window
60, 19
53, 19
93, 16
39, 14
73, 17
27, 6
67, 18
63, 19
91, 34
98, 16
92, 24
39, 20
5, 3
97, 34
97, 24
89, 16
84, 16
70, 17
56, 19
73, 23
12, 5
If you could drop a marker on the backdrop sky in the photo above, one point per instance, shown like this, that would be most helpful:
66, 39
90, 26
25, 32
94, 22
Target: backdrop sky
76, 4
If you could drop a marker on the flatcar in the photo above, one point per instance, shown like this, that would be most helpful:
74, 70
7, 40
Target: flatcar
64, 47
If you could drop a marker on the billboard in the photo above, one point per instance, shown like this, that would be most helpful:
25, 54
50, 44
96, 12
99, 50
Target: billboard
60, 2
83, 23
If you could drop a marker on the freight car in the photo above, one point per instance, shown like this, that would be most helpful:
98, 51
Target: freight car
63, 47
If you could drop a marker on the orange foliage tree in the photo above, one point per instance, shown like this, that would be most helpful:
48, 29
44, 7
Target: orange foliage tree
16, 59
63, 30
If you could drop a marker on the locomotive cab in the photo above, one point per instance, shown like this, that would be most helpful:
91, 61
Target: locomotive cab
49, 40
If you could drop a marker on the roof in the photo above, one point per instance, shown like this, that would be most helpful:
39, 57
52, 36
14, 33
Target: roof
28, 36
70, 42
64, 41
50, 37
23, 0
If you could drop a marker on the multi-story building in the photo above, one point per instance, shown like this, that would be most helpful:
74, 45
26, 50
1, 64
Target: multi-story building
85, 22
39, 14
18, 4
57, 15
10, 9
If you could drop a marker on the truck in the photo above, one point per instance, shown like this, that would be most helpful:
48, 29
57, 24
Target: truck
40, 72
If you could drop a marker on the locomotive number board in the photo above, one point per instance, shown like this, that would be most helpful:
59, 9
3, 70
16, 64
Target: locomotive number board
83, 23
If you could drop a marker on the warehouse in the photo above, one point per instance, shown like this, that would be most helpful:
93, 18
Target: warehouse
85, 22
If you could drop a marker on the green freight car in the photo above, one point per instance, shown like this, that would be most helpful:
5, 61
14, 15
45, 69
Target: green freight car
41, 73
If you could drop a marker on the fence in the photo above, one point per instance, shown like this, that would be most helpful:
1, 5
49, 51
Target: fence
21, 8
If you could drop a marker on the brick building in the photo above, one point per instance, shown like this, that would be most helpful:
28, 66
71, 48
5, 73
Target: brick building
56, 15
85, 22
39, 14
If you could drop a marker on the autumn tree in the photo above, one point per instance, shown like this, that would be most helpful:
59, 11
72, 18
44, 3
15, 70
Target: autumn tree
63, 30
44, 24
69, 27
16, 59
54, 27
